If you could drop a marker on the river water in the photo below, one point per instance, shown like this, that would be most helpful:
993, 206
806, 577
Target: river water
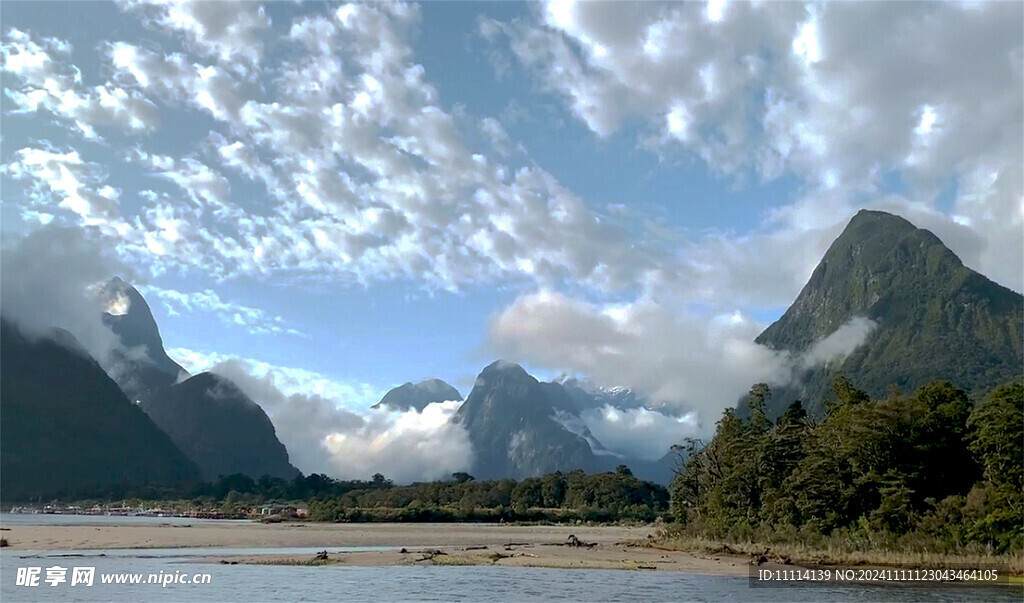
409, 583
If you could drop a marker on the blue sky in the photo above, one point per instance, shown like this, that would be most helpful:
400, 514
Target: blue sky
363, 195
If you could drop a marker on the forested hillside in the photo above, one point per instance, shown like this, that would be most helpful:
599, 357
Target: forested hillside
928, 468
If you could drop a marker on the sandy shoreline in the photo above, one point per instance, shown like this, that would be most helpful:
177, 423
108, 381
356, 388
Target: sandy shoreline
459, 544
252, 534
602, 556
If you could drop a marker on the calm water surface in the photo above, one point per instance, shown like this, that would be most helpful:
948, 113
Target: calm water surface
39, 519
380, 584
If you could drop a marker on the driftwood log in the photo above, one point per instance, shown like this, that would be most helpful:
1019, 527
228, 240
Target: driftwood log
575, 542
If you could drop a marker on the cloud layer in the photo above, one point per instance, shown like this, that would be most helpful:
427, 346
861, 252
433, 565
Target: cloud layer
699, 362
639, 432
367, 177
329, 428
695, 363
51, 278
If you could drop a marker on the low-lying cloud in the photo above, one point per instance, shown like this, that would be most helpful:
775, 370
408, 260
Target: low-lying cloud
405, 446
324, 435
638, 432
840, 343
52, 278
696, 364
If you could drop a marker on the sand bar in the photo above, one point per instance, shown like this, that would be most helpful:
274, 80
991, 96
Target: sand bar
459, 544
252, 534
603, 556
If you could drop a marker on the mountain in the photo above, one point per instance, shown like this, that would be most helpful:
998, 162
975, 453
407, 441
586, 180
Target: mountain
220, 428
216, 425
934, 317
509, 417
143, 367
521, 427
418, 396
65, 425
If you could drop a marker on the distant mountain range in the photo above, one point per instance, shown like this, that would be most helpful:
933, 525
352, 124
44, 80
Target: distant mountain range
933, 317
67, 424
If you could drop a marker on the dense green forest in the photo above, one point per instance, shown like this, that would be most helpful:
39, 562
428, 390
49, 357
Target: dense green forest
926, 471
610, 496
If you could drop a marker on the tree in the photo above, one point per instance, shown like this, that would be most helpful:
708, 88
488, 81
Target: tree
995, 505
996, 428
462, 477
719, 484
757, 400
553, 488
779, 454
527, 494
944, 464
795, 414
695, 466
885, 465
845, 394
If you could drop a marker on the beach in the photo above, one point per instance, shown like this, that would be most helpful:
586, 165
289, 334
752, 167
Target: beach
604, 547
244, 534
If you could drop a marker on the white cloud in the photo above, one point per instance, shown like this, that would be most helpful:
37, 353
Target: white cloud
254, 320
496, 133
230, 32
78, 186
290, 380
691, 362
175, 78
695, 363
51, 279
367, 177
41, 79
205, 187
404, 446
840, 343
328, 426
639, 432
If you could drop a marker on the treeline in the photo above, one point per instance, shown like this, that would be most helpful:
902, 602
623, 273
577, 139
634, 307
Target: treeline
929, 470
236, 488
557, 497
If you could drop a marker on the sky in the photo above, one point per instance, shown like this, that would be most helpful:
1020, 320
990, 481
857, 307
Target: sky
336, 199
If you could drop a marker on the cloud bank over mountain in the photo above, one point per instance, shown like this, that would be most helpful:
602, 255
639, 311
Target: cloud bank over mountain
325, 434
52, 278
688, 360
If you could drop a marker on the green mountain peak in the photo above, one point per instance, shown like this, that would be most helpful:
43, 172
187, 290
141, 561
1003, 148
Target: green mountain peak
935, 317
